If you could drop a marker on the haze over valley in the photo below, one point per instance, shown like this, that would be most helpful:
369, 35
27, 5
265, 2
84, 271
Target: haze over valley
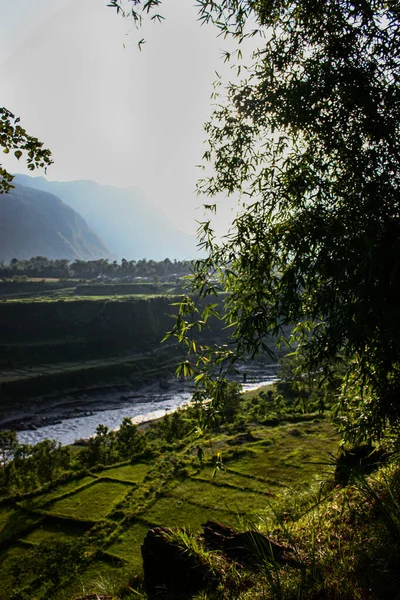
86, 220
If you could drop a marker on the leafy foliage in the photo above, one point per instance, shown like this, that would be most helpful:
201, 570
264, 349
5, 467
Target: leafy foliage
309, 143
14, 138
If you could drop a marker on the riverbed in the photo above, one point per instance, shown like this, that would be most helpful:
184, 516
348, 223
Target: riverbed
150, 403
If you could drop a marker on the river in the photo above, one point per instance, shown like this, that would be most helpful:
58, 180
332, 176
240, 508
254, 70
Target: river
151, 403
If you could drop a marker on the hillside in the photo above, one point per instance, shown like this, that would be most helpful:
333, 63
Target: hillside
89, 525
54, 338
276, 519
37, 223
130, 225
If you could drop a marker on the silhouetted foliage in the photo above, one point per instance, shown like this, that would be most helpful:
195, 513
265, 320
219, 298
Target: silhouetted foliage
309, 142
14, 138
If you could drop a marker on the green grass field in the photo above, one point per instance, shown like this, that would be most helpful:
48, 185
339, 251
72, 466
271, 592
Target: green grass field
62, 297
216, 497
172, 511
127, 545
92, 503
108, 512
53, 529
134, 473
58, 492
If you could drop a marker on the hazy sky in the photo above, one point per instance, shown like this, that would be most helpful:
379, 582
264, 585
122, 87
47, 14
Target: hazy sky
108, 112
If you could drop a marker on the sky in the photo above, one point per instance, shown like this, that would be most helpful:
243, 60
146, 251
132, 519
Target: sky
71, 70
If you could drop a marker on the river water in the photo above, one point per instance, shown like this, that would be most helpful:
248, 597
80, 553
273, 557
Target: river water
144, 406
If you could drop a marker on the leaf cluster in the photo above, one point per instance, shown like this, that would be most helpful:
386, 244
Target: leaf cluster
14, 138
309, 143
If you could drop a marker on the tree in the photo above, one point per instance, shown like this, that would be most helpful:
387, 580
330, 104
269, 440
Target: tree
101, 448
48, 457
14, 138
8, 445
129, 440
310, 144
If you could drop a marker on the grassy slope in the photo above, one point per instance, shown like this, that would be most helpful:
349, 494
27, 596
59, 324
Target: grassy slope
111, 511
272, 478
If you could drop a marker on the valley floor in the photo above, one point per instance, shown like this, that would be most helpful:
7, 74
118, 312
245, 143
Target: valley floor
270, 470
244, 473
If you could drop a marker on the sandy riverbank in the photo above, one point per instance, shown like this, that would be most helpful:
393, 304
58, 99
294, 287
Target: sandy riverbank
54, 408
76, 414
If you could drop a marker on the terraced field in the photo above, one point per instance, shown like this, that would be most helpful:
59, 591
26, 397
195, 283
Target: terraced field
93, 502
110, 511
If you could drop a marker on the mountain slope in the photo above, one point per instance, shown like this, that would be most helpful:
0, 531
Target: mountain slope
36, 223
130, 225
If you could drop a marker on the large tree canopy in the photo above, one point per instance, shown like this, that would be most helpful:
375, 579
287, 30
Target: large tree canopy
310, 142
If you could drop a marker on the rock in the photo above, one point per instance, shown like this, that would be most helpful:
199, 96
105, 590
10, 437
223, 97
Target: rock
170, 568
249, 547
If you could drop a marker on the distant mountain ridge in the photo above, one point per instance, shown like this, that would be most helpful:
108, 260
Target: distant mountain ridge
36, 223
124, 218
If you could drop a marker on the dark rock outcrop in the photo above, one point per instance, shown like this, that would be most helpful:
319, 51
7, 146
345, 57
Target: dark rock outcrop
169, 568
173, 570
249, 547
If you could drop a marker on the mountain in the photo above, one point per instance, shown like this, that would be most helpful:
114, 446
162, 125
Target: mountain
130, 225
36, 223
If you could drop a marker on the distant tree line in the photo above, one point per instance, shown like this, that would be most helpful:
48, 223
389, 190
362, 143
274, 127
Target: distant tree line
40, 266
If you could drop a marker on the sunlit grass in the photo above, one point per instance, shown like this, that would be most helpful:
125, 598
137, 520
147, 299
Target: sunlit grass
289, 458
266, 474
217, 497
55, 530
128, 544
135, 473
171, 511
92, 503
16, 523
229, 477
59, 491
